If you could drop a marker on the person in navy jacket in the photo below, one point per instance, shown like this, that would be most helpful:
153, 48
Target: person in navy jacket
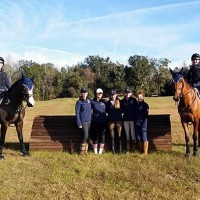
99, 121
83, 117
4, 83
141, 117
128, 105
114, 112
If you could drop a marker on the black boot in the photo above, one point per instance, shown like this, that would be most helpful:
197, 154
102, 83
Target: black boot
113, 145
120, 145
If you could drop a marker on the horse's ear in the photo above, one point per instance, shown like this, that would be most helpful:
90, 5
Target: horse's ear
171, 71
32, 78
181, 71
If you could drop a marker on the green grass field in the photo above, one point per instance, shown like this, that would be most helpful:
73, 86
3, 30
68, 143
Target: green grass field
58, 175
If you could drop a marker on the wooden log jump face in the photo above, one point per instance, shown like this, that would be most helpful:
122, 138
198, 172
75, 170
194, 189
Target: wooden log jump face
62, 133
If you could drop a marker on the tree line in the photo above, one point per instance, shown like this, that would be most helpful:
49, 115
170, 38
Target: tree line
150, 74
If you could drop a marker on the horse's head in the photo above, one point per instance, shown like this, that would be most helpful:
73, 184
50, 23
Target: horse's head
27, 90
178, 80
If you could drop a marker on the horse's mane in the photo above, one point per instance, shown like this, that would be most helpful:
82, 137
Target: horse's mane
14, 84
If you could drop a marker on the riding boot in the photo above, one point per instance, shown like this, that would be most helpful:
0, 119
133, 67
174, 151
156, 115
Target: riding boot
95, 148
145, 147
82, 149
86, 149
120, 145
113, 145
140, 147
128, 147
133, 145
101, 148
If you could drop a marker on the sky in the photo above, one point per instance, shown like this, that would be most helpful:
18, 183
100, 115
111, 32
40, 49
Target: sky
64, 32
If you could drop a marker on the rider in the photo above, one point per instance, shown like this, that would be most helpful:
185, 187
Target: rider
193, 76
4, 81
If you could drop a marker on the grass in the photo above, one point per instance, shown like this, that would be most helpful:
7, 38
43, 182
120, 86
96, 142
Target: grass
59, 175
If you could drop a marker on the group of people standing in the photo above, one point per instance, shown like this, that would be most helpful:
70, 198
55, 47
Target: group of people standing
98, 115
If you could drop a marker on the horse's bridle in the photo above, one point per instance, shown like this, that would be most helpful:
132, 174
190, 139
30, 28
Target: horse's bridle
180, 95
25, 96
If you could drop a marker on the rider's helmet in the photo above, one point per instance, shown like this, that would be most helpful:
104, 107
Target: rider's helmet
195, 56
1, 60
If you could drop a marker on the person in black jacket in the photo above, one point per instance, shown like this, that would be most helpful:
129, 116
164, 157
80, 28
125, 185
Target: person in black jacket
193, 76
141, 118
114, 112
128, 105
99, 121
83, 117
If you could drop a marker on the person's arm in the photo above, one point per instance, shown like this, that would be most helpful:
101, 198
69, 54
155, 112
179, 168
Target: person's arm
189, 76
7, 82
77, 111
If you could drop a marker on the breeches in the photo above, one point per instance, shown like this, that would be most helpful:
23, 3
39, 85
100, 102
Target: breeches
129, 130
86, 130
141, 131
111, 127
99, 132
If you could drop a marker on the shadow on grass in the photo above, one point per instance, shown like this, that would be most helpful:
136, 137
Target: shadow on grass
15, 146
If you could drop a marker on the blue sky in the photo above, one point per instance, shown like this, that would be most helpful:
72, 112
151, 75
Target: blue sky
64, 32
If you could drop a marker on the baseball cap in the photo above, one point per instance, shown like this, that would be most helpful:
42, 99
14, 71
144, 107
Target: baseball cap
127, 90
113, 92
84, 90
99, 90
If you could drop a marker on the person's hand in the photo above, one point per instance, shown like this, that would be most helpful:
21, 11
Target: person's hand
80, 126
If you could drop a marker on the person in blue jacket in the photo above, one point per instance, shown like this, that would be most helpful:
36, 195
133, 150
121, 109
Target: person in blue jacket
83, 117
114, 112
141, 119
99, 121
128, 105
4, 83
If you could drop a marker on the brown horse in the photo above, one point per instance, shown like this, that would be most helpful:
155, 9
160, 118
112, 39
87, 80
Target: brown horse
188, 108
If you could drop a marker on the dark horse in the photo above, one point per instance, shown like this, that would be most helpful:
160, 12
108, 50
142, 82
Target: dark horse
13, 112
188, 108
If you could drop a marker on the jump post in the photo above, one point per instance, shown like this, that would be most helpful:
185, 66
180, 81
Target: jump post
61, 133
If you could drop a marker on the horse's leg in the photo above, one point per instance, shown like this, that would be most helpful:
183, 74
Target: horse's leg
187, 139
19, 127
195, 136
4, 128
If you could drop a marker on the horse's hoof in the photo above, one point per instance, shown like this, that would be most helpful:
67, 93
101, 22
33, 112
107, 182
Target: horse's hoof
2, 158
195, 154
187, 155
26, 155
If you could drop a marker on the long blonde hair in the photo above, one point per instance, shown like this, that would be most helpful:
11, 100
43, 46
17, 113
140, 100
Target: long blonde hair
117, 103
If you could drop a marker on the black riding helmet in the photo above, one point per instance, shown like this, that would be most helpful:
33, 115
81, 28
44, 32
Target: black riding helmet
1, 60
195, 55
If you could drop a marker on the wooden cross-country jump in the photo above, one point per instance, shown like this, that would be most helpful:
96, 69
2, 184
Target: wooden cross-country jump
62, 133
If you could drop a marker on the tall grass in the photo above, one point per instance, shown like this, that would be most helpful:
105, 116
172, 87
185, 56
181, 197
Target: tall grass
59, 175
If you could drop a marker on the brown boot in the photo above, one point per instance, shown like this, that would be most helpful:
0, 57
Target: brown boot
133, 145
82, 149
140, 147
86, 149
128, 147
146, 145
